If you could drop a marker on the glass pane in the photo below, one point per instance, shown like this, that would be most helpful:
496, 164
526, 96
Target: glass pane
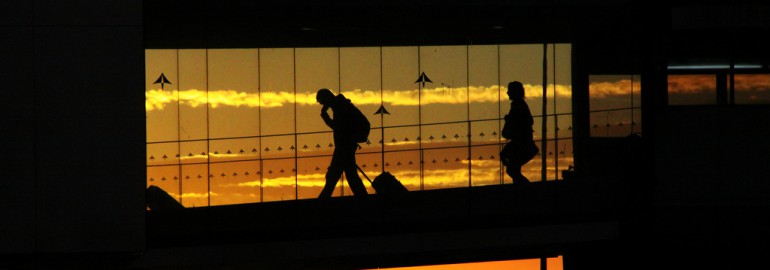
445, 135
315, 144
278, 181
445, 168
485, 169
193, 98
316, 68
374, 144
194, 152
615, 123
360, 80
281, 147
162, 154
692, 89
752, 88
312, 176
560, 96
233, 80
401, 138
521, 62
484, 85
163, 177
485, 132
614, 103
608, 92
444, 85
235, 183
161, 95
564, 126
408, 172
277, 91
552, 150
234, 149
400, 95
195, 190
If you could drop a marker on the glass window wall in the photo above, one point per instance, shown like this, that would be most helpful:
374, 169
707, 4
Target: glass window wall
233, 126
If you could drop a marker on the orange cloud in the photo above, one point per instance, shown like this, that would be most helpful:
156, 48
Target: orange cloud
616, 88
158, 99
752, 82
690, 84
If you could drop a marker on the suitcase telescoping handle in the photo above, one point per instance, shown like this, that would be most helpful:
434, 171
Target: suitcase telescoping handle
362, 172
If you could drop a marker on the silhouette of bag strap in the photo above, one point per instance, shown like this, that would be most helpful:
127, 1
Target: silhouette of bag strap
362, 172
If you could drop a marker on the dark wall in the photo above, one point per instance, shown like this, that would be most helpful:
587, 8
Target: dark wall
72, 128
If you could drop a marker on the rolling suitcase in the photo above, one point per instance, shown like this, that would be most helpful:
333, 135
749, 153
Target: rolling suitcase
385, 184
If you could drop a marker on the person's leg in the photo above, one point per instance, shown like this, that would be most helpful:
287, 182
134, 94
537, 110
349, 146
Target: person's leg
515, 172
354, 181
332, 176
347, 155
509, 170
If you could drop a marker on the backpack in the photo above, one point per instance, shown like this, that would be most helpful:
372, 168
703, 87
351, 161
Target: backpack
361, 126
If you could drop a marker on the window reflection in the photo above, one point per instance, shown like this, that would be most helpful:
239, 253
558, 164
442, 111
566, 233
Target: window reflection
692, 89
752, 88
615, 104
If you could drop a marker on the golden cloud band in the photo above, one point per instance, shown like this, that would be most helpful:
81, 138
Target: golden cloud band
156, 99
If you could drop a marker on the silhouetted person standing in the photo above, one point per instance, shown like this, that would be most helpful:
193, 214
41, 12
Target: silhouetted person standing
344, 157
518, 129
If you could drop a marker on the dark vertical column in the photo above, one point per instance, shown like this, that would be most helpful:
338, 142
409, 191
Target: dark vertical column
721, 88
89, 122
18, 126
580, 107
544, 113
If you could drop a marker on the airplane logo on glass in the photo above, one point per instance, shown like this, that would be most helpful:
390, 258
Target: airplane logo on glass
423, 79
162, 80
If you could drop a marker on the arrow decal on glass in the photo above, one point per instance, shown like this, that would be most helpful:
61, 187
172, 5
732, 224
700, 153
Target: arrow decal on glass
423, 79
381, 110
162, 81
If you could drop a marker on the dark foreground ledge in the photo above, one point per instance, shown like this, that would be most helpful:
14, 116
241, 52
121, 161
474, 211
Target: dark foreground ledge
486, 207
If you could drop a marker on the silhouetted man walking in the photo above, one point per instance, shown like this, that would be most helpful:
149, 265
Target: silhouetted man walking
344, 157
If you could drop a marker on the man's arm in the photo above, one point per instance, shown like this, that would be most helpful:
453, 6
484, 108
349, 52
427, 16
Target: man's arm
325, 115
